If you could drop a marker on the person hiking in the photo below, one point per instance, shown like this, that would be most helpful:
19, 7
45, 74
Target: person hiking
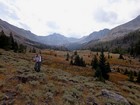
37, 60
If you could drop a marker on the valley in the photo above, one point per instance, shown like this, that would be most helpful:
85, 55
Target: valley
102, 68
60, 83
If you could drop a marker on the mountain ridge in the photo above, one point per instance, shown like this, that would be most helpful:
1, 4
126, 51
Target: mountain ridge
57, 39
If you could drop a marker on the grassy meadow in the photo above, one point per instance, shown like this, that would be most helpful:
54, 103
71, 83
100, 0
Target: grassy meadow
59, 83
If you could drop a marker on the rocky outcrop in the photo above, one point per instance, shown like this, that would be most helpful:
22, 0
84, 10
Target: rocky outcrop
112, 95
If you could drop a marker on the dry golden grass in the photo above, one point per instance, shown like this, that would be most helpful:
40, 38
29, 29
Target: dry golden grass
116, 77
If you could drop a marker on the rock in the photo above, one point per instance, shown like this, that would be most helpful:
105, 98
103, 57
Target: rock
109, 94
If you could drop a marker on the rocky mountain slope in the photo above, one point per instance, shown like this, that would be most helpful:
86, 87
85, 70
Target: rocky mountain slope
95, 35
116, 33
123, 29
53, 39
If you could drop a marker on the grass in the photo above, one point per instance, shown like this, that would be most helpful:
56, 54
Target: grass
61, 83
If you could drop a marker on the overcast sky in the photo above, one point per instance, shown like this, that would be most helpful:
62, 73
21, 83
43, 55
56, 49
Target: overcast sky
74, 18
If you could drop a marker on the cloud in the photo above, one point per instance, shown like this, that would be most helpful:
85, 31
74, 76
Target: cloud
7, 12
68, 17
24, 26
105, 16
52, 25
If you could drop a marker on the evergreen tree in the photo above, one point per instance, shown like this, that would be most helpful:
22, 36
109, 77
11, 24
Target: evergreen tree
138, 77
82, 62
30, 50
77, 60
98, 74
137, 48
121, 56
12, 41
75, 53
131, 76
126, 72
102, 65
94, 62
15, 47
71, 62
67, 58
34, 50
108, 69
4, 41
22, 48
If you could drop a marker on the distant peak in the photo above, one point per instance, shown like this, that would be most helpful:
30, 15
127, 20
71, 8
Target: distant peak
138, 16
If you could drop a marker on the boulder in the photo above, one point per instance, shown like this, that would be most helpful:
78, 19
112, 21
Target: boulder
112, 95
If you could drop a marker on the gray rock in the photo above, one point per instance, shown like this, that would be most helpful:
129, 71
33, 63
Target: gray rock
112, 95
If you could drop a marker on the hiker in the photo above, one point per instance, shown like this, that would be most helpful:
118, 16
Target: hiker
37, 60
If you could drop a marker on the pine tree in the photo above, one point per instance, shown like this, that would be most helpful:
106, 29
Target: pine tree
108, 69
121, 56
94, 62
71, 62
75, 53
34, 50
15, 47
82, 62
4, 41
126, 72
131, 76
67, 58
77, 60
12, 41
138, 77
102, 65
98, 74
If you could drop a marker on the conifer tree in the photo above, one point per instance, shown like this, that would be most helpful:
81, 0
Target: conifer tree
12, 41
131, 76
138, 77
4, 41
102, 65
34, 50
94, 62
15, 47
67, 58
77, 60
108, 69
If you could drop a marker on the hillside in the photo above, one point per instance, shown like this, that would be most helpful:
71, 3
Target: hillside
24, 35
122, 44
59, 83
95, 35
123, 29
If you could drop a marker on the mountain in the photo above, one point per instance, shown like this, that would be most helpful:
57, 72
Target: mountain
123, 29
96, 35
17, 32
53, 39
116, 33
56, 39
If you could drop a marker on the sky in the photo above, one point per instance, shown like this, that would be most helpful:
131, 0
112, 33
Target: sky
72, 18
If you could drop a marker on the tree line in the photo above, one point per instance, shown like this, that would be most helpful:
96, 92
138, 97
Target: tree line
129, 44
8, 43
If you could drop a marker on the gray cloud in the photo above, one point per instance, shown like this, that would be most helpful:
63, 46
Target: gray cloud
24, 26
52, 25
5, 13
105, 16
